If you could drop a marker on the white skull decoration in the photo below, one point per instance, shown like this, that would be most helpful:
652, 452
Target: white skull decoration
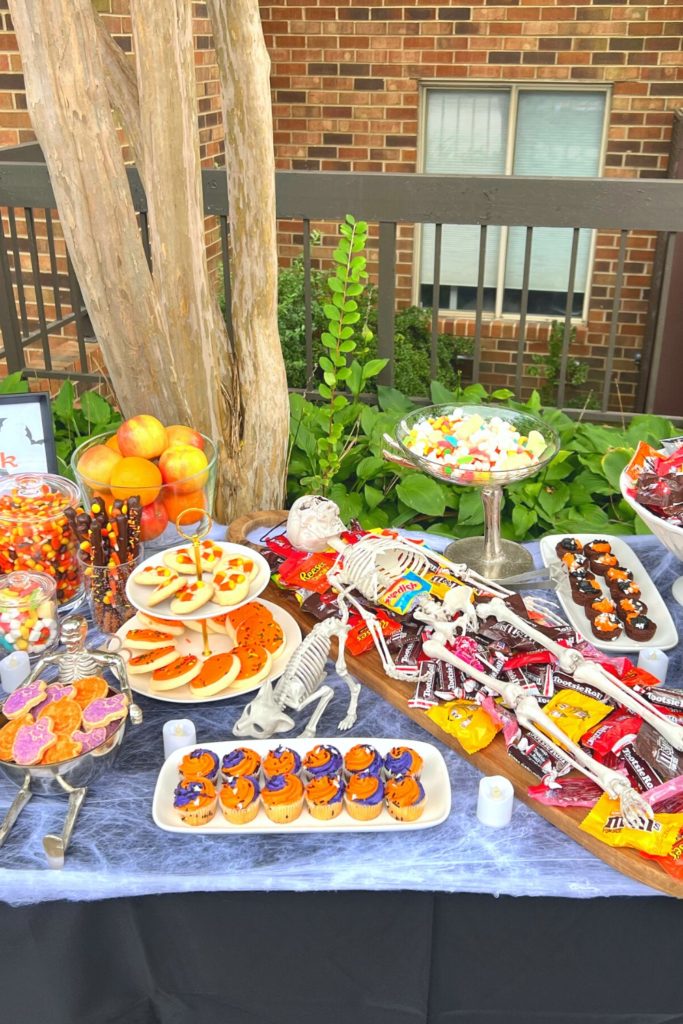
313, 522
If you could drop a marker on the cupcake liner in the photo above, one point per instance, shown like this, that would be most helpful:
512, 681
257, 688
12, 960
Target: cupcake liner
240, 816
363, 812
199, 815
406, 813
282, 813
324, 812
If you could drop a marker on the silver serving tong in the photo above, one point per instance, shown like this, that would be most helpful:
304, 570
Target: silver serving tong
545, 578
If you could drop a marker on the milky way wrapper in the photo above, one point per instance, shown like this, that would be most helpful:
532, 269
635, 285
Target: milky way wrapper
467, 721
574, 713
606, 823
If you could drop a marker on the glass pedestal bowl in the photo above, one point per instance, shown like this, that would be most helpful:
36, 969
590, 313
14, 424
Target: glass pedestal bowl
490, 555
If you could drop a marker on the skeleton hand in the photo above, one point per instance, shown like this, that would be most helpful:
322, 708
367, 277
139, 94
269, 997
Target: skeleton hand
346, 723
635, 810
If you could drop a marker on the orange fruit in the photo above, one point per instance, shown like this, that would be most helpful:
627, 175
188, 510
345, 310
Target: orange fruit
113, 443
134, 475
177, 503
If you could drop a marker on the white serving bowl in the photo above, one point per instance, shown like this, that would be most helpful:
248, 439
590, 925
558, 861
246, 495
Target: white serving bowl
670, 536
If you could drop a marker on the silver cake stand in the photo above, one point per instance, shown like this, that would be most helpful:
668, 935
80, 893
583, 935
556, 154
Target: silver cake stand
490, 555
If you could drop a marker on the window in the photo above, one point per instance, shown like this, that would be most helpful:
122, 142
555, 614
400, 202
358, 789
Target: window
517, 130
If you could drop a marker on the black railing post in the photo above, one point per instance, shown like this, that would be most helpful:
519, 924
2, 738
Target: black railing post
9, 322
386, 299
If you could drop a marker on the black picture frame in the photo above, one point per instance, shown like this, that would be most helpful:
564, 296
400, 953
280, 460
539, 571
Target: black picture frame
48, 458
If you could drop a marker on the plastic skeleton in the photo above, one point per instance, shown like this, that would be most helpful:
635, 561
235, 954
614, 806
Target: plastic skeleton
301, 685
634, 808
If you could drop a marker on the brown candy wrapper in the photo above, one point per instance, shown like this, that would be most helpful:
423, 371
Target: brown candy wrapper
657, 752
532, 753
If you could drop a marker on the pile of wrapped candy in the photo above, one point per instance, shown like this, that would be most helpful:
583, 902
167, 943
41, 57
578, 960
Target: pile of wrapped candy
657, 479
467, 443
474, 716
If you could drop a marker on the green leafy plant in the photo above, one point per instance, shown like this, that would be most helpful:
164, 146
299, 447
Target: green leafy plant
75, 423
549, 364
578, 490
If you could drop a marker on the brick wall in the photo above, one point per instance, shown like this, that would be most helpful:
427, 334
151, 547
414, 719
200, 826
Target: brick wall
346, 78
346, 82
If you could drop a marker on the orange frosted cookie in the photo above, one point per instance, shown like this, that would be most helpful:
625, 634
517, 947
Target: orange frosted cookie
216, 674
255, 663
65, 715
63, 750
266, 634
88, 689
146, 639
149, 660
179, 672
253, 610
7, 734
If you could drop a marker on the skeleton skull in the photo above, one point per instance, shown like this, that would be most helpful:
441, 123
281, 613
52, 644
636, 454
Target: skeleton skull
313, 522
263, 716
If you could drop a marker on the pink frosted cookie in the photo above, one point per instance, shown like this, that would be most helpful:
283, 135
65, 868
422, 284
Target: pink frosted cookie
55, 692
105, 710
89, 740
32, 741
25, 698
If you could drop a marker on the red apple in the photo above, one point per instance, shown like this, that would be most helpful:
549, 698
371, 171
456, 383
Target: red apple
153, 521
178, 434
142, 436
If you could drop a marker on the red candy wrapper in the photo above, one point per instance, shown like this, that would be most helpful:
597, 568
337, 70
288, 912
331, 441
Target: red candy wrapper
310, 573
359, 638
568, 792
614, 732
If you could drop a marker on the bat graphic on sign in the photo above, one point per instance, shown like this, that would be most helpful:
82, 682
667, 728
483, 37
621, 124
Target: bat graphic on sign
30, 437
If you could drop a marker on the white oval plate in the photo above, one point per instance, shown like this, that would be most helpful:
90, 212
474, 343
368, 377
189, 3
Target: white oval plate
191, 643
434, 777
139, 595
666, 635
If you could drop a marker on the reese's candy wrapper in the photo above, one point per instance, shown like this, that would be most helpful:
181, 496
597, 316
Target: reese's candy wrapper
402, 595
360, 639
467, 721
310, 573
280, 545
575, 713
635, 676
606, 823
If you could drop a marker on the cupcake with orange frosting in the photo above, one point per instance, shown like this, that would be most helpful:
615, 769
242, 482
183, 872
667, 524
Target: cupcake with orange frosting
405, 798
240, 761
402, 761
364, 795
281, 761
362, 758
239, 799
283, 798
324, 796
200, 764
195, 801
321, 760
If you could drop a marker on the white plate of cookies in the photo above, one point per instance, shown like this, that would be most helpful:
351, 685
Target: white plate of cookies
166, 584
165, 658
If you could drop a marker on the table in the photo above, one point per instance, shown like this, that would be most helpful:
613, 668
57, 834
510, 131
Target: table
396, 923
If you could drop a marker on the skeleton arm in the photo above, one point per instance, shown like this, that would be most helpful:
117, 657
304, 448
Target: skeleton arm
584, 671
635, 809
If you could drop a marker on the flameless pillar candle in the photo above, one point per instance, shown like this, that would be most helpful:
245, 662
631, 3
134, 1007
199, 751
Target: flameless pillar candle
14, 669
494, 805
654, 661
179, 732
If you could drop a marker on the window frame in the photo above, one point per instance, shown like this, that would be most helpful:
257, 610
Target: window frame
513, 88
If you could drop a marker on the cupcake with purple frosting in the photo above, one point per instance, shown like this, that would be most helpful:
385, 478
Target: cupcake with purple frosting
195, 801
324, 796
321, 760
362, 758
240, 762
364, 795
200, 764
281, 761
402, 761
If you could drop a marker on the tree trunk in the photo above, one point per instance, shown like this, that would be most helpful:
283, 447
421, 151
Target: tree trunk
161, 333
244, 68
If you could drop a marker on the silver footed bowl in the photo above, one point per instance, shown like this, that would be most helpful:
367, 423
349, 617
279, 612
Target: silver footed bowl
61, 778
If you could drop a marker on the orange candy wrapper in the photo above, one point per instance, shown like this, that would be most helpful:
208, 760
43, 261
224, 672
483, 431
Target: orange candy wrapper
659, 837
575, 714
467, 721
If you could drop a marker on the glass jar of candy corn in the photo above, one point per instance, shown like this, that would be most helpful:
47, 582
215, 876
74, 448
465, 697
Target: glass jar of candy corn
34, 532
28, 613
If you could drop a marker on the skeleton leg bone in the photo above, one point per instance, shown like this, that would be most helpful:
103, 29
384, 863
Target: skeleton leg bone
584, 671
354, 687
634, 809
324, 695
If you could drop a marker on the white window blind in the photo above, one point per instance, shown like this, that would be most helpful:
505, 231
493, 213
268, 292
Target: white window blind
557, 134
465, 133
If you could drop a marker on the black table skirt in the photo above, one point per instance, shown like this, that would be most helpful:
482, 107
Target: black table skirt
342, 958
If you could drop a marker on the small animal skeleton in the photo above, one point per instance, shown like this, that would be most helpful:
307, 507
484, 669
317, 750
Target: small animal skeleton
300, 685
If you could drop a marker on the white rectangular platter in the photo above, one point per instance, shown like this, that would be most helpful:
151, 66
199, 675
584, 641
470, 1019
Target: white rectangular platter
666, 635
434, 778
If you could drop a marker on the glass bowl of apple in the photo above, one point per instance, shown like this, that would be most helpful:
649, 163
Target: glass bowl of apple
172, 469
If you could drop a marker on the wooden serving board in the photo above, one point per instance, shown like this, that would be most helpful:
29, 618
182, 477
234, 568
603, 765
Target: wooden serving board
493, 760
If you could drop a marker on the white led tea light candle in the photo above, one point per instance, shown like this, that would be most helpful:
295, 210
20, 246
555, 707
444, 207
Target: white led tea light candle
494, 804
179, 732
654, 661
14, 669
